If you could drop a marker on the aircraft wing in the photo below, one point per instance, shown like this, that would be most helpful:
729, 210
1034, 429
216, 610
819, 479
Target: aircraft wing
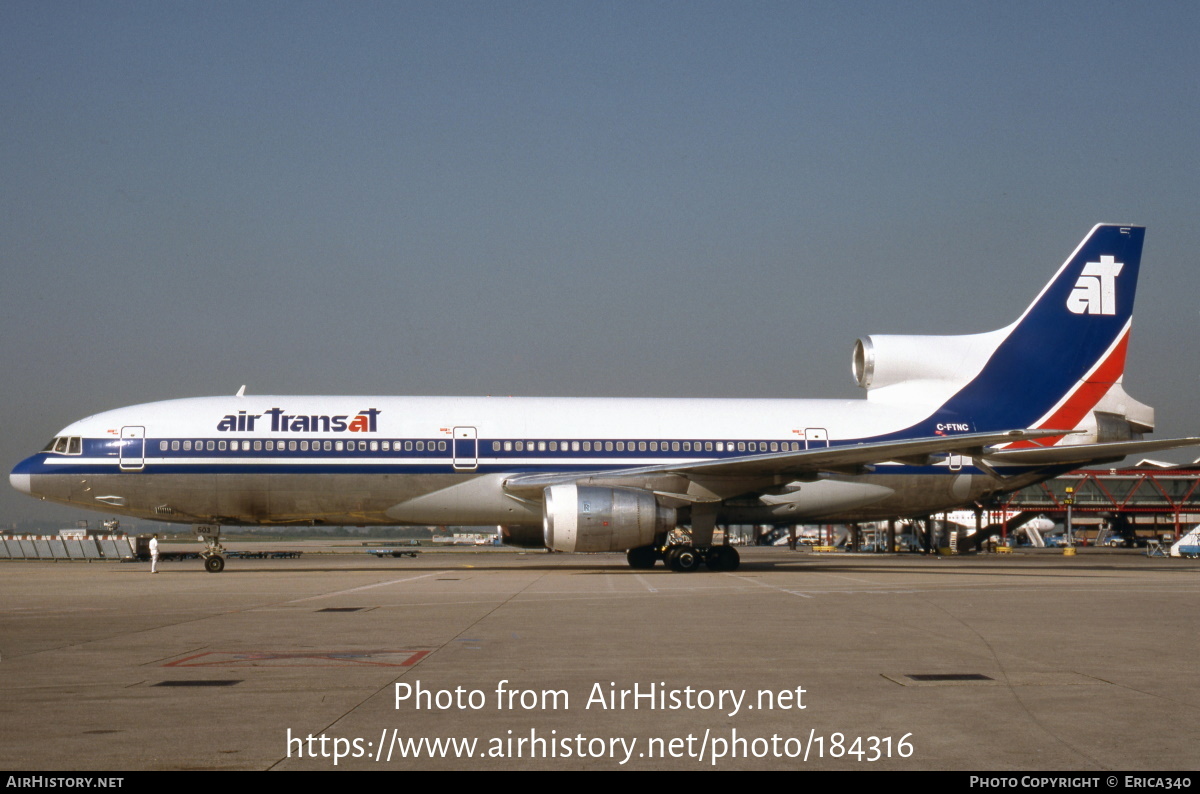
1081, 454
846, 457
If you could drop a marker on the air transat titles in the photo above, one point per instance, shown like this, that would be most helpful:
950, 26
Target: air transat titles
241, 422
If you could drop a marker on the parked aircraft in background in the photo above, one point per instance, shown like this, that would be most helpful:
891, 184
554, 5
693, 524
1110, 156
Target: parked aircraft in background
947, 421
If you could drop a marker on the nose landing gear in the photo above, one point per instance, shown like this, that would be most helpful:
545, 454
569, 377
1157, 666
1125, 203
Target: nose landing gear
214, 552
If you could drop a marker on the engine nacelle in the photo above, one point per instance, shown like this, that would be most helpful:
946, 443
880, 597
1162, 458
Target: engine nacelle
931, 363
585, 518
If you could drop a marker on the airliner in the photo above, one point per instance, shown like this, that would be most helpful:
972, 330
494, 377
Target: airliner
948, 422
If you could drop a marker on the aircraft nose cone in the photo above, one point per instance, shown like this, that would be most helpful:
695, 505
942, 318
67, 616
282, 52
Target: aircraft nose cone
20, 482
20, 477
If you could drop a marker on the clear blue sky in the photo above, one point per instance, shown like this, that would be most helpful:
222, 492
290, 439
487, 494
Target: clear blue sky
568, 198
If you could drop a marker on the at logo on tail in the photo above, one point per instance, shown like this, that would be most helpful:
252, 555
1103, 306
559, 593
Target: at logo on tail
1095, 291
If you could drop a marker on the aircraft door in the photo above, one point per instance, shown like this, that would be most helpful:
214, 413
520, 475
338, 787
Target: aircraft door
815, 437
466, 449
133, 448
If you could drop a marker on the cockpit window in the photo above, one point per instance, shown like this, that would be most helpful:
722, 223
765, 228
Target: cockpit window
65, 445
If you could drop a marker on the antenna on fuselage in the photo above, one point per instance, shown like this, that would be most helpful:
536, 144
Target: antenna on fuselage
241, 391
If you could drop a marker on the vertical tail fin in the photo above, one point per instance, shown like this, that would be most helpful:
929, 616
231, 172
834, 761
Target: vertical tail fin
1063, 359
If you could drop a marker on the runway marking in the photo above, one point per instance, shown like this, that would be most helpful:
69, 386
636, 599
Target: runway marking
364, 587
390, 658
645, 584
1003, 679
768, 586
848, 578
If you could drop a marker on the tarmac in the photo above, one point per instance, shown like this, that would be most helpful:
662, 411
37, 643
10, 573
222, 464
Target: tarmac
494, 660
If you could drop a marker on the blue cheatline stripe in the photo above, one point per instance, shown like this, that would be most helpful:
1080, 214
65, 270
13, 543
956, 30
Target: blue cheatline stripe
343, 465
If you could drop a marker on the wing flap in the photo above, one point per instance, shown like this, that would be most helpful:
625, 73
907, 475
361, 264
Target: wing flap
1079, 454
848, 456
745, 470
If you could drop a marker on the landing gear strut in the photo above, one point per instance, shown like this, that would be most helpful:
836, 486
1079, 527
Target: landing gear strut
214, 552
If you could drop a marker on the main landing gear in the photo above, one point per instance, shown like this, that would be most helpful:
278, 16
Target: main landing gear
214, 553
685, 558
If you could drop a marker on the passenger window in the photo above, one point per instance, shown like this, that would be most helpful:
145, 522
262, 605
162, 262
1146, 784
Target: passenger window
620, 446
162, 446
420, 446
328, 446
441, 446
174, 446
574, 446
587, 446
338, 446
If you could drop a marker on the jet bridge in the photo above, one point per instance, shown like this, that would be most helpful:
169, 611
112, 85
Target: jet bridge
1141, 498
